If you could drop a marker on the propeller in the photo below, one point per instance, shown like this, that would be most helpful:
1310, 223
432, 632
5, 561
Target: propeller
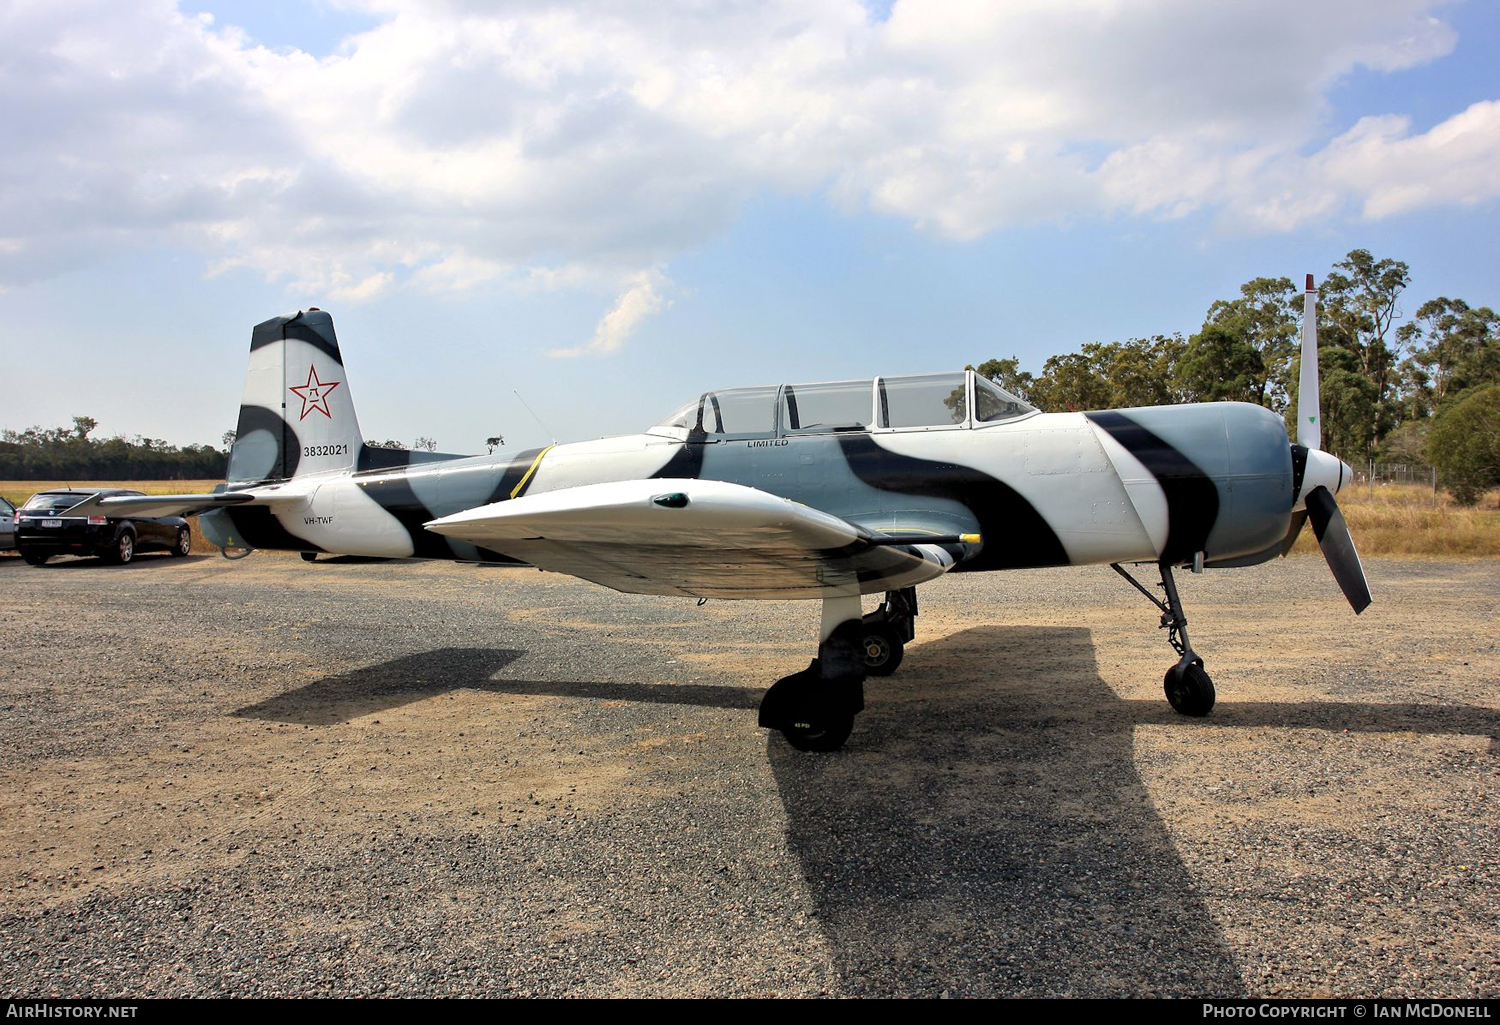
1318, 475
1309, 413
1338, 547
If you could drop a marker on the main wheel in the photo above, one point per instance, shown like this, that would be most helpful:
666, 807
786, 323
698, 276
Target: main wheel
883, 652
184, 543
829, 736
35, 558
124, 549
1189, 690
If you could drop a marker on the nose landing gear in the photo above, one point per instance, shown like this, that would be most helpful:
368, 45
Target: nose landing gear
1188, 687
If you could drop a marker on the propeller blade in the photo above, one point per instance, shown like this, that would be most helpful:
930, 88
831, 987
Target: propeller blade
1309, 412
1338, 548
1299, 518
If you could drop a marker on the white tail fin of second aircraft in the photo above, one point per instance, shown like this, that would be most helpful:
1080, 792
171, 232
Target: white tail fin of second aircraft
297, 414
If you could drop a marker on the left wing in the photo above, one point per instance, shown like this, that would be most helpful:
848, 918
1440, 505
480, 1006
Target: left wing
699, 538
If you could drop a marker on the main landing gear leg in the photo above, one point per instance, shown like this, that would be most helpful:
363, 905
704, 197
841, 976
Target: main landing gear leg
815, 708
1189, 690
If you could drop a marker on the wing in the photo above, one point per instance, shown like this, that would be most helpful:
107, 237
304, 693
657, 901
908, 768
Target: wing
700, 538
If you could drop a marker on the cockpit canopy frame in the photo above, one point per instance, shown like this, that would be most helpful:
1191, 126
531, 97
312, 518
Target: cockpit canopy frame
904, 403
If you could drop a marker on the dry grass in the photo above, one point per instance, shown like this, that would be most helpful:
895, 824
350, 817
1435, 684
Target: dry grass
1406, 520
1388, 520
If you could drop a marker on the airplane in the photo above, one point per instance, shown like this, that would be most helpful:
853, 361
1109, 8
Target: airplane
827, 491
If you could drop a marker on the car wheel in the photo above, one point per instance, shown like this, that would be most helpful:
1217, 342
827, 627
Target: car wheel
35, 558
124, 549
184, 542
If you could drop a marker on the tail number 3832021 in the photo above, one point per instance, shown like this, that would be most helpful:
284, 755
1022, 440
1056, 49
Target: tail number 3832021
325, 450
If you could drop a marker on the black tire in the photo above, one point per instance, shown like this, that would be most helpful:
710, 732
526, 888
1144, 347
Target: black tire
883, 651
1189, 690
825, 737
123, 551
184, 542
309, 556
35, 558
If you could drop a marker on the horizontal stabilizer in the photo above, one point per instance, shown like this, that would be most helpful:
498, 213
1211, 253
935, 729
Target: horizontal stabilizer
697, 538
182, 505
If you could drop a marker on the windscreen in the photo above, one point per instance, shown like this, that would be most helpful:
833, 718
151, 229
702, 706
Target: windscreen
685, 415
993, 403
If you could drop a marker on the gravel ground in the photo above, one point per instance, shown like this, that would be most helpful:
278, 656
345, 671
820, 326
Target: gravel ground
356, 777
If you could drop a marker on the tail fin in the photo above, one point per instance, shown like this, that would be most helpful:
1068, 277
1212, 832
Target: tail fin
297, 415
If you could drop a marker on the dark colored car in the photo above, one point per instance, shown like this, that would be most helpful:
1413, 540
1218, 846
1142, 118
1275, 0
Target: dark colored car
44, 528
7, 525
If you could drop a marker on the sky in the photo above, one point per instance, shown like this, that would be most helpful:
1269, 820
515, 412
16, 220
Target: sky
608, 208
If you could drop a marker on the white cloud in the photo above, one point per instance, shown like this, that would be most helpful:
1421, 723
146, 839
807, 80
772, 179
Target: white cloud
459, 146
640, 298
1457, 161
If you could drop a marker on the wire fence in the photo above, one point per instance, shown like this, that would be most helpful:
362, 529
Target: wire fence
1371, 477
1397, 473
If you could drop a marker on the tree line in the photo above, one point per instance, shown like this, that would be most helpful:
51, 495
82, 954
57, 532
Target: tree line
1421, 390
69, 453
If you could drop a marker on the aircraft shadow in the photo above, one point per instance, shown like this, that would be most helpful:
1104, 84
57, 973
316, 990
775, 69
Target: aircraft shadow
415, 677
986, 831
383, 686
1338, 716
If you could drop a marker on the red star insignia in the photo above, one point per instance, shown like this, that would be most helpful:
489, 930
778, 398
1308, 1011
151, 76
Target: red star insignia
314, 394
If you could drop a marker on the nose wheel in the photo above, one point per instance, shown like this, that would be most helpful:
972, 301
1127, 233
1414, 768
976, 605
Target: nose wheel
1188, 687
1189, 690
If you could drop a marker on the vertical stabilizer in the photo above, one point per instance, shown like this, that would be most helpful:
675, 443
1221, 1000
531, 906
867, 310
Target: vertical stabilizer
297, 414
